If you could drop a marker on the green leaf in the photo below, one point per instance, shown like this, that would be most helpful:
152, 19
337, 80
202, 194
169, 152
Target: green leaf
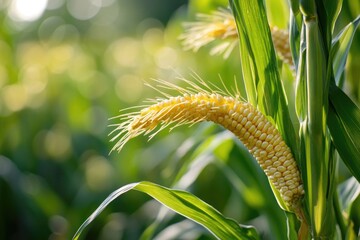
301, 97
292, 223
314, 137
192, 167
295, 37
354, 216
348, 191
340, 48
332, 9
185, 229
278, 13
308, 8
185, 204
259, 66
294, 5
327, 13
344, 126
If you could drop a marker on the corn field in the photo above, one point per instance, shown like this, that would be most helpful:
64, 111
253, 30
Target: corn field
190, 119
298, 144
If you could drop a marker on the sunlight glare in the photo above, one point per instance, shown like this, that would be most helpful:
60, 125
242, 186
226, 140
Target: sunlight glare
26, 11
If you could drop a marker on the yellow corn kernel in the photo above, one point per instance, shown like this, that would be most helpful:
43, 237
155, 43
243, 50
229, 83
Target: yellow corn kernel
192, 108
280, 39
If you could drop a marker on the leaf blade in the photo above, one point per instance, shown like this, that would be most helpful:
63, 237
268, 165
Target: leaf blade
185, 204
344, 126
102, 206
195, 209
340, 48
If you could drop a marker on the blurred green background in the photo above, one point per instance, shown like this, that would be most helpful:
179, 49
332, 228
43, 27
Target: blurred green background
66, 68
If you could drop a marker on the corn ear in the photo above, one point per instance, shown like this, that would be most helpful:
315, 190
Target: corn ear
280, 39
220, 25
259, 135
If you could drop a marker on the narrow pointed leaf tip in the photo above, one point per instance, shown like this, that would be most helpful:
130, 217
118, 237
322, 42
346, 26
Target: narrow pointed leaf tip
102, 206
258, 134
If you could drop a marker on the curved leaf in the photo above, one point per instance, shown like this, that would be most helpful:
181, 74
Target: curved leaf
185, 204
190, 170
332, 10
341, 46
348, 191
344, 126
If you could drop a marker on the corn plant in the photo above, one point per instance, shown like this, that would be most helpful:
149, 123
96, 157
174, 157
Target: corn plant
299, 154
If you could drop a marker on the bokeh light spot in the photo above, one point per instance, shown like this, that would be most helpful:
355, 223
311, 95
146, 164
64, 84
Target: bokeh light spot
3, 76
98, 173
83, 9
129, 88
153, 39
15, 97
6, 53
59, 58
58, 225
82, 66
126, 52
57, 143
107, 16
27, 11
34, 78
97, 119
65, 32
94, 86
166, 57
114, 228
106, 3
54, 4
30, 53
48, 26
